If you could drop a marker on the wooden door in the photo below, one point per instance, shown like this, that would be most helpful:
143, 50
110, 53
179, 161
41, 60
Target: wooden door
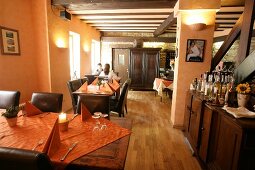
136, 68
151, 70
205, 133
120, 62
228, 145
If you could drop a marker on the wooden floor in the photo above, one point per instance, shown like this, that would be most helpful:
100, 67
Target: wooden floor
154, 144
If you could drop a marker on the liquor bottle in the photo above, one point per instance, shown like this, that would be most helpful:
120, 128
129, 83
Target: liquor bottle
199, 83
216, 87
224, 83
209, 87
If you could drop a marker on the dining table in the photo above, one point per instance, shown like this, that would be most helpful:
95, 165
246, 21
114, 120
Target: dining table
106, 149
160, 84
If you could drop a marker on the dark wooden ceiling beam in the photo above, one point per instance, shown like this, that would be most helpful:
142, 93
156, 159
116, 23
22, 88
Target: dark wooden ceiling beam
124, 14
114, 4
229, 13
247, 28
171, 20
131, 39
230, 39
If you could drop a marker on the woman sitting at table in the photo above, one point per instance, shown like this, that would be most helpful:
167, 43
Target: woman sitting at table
109, 74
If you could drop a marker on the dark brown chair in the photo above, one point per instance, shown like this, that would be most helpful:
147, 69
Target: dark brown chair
120, 104
83, 80
47, 102
74, 85
20, 159
94, 103
9, 98
90, 78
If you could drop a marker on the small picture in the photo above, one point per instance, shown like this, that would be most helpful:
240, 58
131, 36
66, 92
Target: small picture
9, 41
195, 50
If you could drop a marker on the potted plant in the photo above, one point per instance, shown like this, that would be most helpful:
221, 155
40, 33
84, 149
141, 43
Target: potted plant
11, 115
243, 94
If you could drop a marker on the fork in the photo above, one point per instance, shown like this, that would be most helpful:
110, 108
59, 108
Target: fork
40, 142
69, 150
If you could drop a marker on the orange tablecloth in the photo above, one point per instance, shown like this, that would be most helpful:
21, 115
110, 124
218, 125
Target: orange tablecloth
160, 84
27, 132
94, 89
88, 140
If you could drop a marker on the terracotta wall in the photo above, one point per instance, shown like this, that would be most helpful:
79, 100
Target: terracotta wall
59, 57
19, 72
41, 66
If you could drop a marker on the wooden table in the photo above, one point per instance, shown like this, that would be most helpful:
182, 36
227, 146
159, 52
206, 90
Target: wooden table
109, 157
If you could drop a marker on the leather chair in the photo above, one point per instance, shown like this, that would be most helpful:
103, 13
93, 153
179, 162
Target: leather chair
94, 103
74, 85
120, 104
9, 98
83, 80
91, 78
20, 159
47, 102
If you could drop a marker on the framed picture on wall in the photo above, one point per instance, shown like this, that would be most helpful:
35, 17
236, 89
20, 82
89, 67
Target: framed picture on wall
9, 41
195, 50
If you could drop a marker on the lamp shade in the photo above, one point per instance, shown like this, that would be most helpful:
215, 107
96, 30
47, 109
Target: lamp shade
197, 26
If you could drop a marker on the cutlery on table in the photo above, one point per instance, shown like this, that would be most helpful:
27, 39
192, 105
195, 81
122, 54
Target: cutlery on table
74, 116
69, 150
44, 114
40, 142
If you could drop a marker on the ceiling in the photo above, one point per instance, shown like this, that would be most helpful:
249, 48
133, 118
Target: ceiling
143, 16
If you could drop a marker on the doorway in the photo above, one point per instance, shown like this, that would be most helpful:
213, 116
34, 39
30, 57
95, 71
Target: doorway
74, 54
120, 62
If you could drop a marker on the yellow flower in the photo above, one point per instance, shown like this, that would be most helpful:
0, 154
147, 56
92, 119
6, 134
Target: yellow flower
243, 88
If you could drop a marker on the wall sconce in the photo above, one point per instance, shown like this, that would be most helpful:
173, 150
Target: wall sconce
197, 26
60, 43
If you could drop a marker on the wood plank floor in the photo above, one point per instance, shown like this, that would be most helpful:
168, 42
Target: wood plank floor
154, 144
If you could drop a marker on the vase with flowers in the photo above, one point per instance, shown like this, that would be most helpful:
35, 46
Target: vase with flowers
99, 83
243, 94
11, 115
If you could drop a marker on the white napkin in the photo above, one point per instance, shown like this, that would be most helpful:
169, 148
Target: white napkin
239, 112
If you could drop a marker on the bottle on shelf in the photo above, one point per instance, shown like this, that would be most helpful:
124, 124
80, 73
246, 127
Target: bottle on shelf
216, 88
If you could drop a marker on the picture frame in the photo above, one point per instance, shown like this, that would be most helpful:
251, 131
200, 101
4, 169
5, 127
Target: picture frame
195, 50
9, 41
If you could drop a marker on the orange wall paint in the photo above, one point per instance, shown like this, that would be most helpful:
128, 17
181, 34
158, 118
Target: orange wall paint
19, 72
59, 57
41, 66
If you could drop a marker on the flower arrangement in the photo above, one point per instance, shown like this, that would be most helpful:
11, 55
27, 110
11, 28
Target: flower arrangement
11, 112
243, 88
99, 83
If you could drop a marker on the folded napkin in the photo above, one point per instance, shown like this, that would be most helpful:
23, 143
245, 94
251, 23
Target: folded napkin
54, 142
31, 110
95, 81
114, 85
84, 87
85, 113
239, 112
106, 88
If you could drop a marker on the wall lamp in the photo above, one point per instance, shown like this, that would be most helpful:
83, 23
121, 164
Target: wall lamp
197, 26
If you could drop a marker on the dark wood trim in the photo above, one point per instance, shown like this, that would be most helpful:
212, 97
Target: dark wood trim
111, 19
113, 4
165, 25
124, 14
234, 18
247, 29
229, 13
131, 39
225, 23
230, 39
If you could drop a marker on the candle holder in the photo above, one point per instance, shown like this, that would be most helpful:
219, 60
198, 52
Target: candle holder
63, 126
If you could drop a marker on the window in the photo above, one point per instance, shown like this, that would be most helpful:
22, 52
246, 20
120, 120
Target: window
74, 52
95, 54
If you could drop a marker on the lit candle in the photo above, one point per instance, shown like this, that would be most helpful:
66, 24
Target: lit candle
62, 118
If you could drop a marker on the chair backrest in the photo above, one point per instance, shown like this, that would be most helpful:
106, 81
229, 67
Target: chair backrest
74, 85
9, 98
20, 159
94, 103
83, 80
122, 99
91, 78
48, 102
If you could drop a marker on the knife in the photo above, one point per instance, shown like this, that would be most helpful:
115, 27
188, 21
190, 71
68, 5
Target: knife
69, 150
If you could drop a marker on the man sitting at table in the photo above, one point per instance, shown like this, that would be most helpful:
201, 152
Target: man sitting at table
109, 74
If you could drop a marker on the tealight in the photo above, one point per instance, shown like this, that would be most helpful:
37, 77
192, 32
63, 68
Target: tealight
62, 118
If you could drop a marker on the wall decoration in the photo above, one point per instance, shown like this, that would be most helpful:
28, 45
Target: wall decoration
195, 50
9, 41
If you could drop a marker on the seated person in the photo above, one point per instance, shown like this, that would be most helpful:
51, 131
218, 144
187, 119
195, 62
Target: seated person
109, 74
98, 70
